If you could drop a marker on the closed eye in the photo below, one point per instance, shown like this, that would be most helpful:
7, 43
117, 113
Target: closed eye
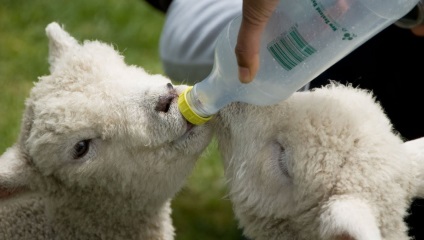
283, 158
282, 161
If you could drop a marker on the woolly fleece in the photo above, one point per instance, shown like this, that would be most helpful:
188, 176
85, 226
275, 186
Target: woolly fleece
324, 164
102, 150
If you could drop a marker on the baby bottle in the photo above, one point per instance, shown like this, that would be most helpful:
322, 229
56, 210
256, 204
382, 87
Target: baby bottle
302, 39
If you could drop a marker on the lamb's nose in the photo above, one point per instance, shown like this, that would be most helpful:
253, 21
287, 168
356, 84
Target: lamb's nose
165, 100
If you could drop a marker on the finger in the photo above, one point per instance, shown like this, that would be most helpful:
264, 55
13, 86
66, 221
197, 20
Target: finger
255, 17
419, 30
247, 52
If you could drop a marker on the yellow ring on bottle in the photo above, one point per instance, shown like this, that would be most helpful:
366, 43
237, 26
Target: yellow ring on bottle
187, 112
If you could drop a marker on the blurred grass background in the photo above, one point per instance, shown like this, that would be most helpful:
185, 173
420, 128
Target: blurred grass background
202, 209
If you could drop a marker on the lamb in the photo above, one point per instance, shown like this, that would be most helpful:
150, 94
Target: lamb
324, 164
102, 150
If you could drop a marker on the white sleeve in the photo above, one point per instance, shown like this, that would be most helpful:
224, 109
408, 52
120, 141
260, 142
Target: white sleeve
188, 37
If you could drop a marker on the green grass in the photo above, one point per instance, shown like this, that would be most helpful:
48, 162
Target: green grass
201, 210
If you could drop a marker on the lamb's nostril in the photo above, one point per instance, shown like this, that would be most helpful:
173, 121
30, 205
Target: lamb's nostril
164, 102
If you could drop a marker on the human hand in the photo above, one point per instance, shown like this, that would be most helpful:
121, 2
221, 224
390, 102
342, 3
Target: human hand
418, 30
415, 20
254, 19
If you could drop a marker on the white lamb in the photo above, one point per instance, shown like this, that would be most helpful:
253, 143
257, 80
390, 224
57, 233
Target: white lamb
324, 164
102, 150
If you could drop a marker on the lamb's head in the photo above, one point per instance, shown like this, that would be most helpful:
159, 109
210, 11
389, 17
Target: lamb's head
98, 125
321, 165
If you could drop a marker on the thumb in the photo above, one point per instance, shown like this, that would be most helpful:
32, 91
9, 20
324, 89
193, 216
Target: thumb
255, 16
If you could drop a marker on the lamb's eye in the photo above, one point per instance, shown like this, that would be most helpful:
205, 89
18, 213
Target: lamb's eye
81, 148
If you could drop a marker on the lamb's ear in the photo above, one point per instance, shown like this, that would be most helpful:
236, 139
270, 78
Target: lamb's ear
415, 149
59, 42
348, 218
15, 172
15, 168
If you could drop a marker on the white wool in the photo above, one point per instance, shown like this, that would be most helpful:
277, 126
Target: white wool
349, 216
324, 164
102, 150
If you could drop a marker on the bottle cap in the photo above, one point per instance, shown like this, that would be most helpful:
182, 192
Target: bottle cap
187, 112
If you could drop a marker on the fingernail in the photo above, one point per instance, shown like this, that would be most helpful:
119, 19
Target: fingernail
244, 75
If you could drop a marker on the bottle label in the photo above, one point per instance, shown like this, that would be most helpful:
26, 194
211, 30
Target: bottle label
290, 49
337, 11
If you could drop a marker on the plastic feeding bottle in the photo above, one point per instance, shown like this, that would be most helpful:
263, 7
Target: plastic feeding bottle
302, 39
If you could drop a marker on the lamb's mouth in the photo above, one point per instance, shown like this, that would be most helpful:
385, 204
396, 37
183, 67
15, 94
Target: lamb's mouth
189, 129
189, 126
